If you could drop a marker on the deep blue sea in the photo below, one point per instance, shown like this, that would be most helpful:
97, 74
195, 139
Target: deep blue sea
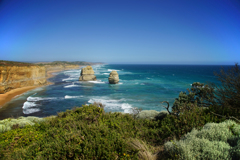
141, 86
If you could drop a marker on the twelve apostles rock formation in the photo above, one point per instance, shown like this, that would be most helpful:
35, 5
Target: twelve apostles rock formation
87, 74
113, 77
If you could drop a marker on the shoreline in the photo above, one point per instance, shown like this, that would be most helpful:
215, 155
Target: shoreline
8, 96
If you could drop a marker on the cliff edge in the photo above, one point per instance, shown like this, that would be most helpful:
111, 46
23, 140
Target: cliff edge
12, 77
15, 75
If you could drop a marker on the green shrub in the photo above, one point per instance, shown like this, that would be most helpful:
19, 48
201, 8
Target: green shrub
223, 99
190, 116
90, 133
8, 124
86, 133
228, 94
214, 141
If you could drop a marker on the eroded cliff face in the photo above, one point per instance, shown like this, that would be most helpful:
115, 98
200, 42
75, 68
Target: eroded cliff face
12, 77
15, 76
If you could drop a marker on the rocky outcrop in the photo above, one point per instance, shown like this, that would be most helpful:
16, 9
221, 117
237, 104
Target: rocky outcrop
12, 77
87, 74
152, 114
113, 77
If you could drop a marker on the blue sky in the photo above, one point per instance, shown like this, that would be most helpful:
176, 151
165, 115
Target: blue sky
121, 31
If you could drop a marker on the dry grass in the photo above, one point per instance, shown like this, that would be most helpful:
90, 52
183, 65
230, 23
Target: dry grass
144, 151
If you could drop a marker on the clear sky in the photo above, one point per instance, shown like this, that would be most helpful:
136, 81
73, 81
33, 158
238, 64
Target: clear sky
121, 31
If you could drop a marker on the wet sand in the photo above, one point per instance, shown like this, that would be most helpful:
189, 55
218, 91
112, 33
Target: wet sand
4, 98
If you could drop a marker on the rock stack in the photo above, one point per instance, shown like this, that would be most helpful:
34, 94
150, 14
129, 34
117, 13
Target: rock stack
113, 77
87, 74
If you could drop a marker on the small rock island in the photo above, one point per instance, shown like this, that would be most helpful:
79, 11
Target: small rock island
87, 74
113, 77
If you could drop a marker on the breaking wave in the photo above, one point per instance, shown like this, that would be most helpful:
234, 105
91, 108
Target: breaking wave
113, 104
71, 97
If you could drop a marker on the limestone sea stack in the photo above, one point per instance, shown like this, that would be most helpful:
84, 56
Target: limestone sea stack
113, 77
87, 74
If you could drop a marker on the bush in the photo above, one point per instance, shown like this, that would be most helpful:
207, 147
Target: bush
228, 94
214, 141
199, 93
190, 116
82, 133
8, 124
223, 100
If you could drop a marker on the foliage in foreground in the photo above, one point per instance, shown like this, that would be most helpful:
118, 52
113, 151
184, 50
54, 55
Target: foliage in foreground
85, 133
20, 122
223, 99
90, 133
214, 141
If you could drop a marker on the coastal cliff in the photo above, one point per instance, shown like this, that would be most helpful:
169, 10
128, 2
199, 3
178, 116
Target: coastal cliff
12, 77
15, 75
19, 77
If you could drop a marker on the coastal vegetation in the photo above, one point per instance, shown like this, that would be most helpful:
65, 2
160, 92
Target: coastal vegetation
80, 63
13, 63
197, 127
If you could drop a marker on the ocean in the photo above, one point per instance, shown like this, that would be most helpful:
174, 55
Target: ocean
141, 86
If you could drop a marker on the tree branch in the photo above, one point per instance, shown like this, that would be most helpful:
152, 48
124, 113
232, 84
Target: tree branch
231, 117
167, 106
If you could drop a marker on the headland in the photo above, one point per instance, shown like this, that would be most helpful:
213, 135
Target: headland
19, 77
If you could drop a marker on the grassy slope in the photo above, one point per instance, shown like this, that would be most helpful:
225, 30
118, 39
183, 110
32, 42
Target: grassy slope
67, 63
13, 63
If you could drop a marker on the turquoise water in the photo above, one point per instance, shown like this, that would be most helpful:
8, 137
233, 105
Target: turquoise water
141, 86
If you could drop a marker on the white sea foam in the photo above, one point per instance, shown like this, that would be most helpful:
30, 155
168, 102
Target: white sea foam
106, 73
34, 99
70, 86
71, 97
127, 108
104, 100
113, 104
31, 110
110, 70
142, 84
29, 105
73, 75
69, 79
96, 82
74, 70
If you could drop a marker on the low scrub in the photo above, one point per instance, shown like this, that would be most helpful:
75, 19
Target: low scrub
82, 133
88, 132
10, 123
214, 141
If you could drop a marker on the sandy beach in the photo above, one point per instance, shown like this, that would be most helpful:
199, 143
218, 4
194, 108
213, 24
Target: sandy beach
4, 98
